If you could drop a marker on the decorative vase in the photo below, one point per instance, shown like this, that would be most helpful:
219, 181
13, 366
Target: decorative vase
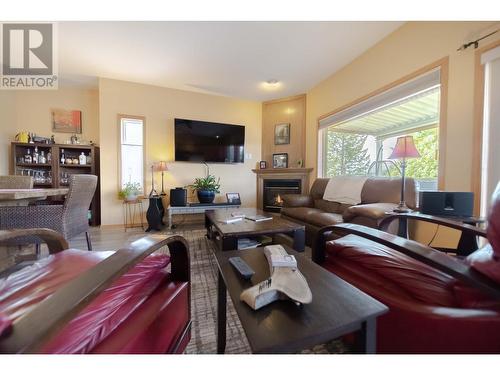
131, 197
205, 196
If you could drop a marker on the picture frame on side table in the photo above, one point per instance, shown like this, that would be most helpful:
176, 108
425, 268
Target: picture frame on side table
263, 164
280, 160
233, 198
282, 134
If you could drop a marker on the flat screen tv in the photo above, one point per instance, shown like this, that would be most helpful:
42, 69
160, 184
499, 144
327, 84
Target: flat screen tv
209, 142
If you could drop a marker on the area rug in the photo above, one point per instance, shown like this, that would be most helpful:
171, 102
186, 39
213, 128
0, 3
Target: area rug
204, 305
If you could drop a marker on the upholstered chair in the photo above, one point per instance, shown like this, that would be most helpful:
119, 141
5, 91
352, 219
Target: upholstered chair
16, 182
70, 218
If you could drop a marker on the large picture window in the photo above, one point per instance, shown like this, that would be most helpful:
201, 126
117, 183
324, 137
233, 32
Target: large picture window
359, 139
132, 150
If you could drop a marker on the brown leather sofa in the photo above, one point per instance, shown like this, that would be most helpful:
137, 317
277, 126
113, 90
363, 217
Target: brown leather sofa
379, 195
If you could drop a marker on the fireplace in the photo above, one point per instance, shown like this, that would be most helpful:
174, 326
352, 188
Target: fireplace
274, 189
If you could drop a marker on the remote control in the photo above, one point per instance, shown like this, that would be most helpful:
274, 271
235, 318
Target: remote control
242, 267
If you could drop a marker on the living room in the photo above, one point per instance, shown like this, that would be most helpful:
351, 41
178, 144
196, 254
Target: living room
215, 147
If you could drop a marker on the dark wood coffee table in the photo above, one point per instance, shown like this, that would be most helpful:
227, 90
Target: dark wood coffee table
337, 308
226, 235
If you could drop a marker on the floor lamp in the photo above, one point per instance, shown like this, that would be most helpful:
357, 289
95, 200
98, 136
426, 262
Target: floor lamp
404, 149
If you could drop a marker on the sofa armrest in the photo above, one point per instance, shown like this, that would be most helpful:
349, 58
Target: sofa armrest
375, 211
39, 325
413, 249
297, 200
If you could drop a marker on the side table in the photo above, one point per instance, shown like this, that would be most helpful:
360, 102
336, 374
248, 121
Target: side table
132, 209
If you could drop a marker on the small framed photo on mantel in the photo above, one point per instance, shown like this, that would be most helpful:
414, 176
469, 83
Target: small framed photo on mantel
263, 164
280, 160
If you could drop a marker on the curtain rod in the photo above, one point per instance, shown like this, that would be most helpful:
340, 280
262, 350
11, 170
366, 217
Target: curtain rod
475, 43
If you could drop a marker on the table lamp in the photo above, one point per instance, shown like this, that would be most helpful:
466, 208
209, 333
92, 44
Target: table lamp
161, 166
404, 149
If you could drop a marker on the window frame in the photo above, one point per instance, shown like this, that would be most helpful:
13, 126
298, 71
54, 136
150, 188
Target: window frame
132, 117
442, 65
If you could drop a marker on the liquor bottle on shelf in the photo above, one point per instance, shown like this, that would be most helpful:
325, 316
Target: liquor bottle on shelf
35, 155
82, 159
89, 159
27, 158
42, 159
63, 158
49, 157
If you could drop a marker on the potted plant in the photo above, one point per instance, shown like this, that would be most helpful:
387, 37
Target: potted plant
130, 191
206, 187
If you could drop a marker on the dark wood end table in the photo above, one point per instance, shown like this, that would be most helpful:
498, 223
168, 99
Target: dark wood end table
337, 308
226, 235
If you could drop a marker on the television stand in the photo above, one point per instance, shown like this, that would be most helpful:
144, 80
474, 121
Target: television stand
197, 208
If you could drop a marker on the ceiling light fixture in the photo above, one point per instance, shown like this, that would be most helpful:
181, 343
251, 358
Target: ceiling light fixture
272, 82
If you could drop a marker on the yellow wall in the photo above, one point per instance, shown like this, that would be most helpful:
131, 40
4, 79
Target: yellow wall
409, 48
293, 112
160, 106
29, 110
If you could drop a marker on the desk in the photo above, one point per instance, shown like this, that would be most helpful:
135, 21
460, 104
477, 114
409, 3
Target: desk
21, 197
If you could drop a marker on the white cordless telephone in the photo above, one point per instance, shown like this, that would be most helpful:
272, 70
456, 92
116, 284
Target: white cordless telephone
286, 281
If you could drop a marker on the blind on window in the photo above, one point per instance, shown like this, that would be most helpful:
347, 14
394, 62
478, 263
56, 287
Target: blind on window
393, 96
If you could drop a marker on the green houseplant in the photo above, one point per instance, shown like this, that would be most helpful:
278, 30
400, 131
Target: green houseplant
130, 191
206, 187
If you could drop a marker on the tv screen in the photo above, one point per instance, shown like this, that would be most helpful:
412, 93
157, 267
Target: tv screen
210, 142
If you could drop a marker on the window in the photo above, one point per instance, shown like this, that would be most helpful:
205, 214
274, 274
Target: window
132, 150
490, 159
360, 139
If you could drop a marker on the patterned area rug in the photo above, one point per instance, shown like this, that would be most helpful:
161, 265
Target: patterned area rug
204, 305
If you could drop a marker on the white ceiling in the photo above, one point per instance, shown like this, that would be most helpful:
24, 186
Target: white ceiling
223, 58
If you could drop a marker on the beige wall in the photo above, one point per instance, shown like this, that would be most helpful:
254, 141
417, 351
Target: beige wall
411, 47
160, 106
292, 111
29, 110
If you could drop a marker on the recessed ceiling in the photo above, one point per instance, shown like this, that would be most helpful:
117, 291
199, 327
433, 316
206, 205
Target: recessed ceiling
223, 58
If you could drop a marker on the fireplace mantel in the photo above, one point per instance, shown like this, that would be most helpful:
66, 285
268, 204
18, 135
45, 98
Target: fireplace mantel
301, 174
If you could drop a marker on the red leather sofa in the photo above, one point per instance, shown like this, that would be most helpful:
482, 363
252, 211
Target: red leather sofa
438, 303
78, 301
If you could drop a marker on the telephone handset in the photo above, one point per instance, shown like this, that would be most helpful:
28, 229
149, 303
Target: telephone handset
286, 281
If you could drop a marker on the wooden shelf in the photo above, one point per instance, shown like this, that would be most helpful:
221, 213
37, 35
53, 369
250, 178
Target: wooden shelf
18, 151
75, 165
33, 165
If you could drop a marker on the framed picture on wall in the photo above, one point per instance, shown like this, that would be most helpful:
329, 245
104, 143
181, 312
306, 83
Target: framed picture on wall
280, 160
66, 121
282, 134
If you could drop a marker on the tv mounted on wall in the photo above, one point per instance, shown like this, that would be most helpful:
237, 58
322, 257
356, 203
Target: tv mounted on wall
209, 142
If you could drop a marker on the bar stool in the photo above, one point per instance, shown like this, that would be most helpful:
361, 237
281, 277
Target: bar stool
132, 208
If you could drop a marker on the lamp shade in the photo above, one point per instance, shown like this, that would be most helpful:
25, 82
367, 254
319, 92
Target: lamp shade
405, 148
160, 166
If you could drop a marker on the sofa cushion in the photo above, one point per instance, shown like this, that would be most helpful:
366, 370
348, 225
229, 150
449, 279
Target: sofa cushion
312, 216
333, 207
375, 211
299, 213
422, 282
388, 190
322, 219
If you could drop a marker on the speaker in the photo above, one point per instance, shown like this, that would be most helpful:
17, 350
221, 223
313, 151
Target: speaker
447, 203
178, 197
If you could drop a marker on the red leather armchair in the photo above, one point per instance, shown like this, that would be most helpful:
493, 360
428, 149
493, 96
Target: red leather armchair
77, 301
438, 303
